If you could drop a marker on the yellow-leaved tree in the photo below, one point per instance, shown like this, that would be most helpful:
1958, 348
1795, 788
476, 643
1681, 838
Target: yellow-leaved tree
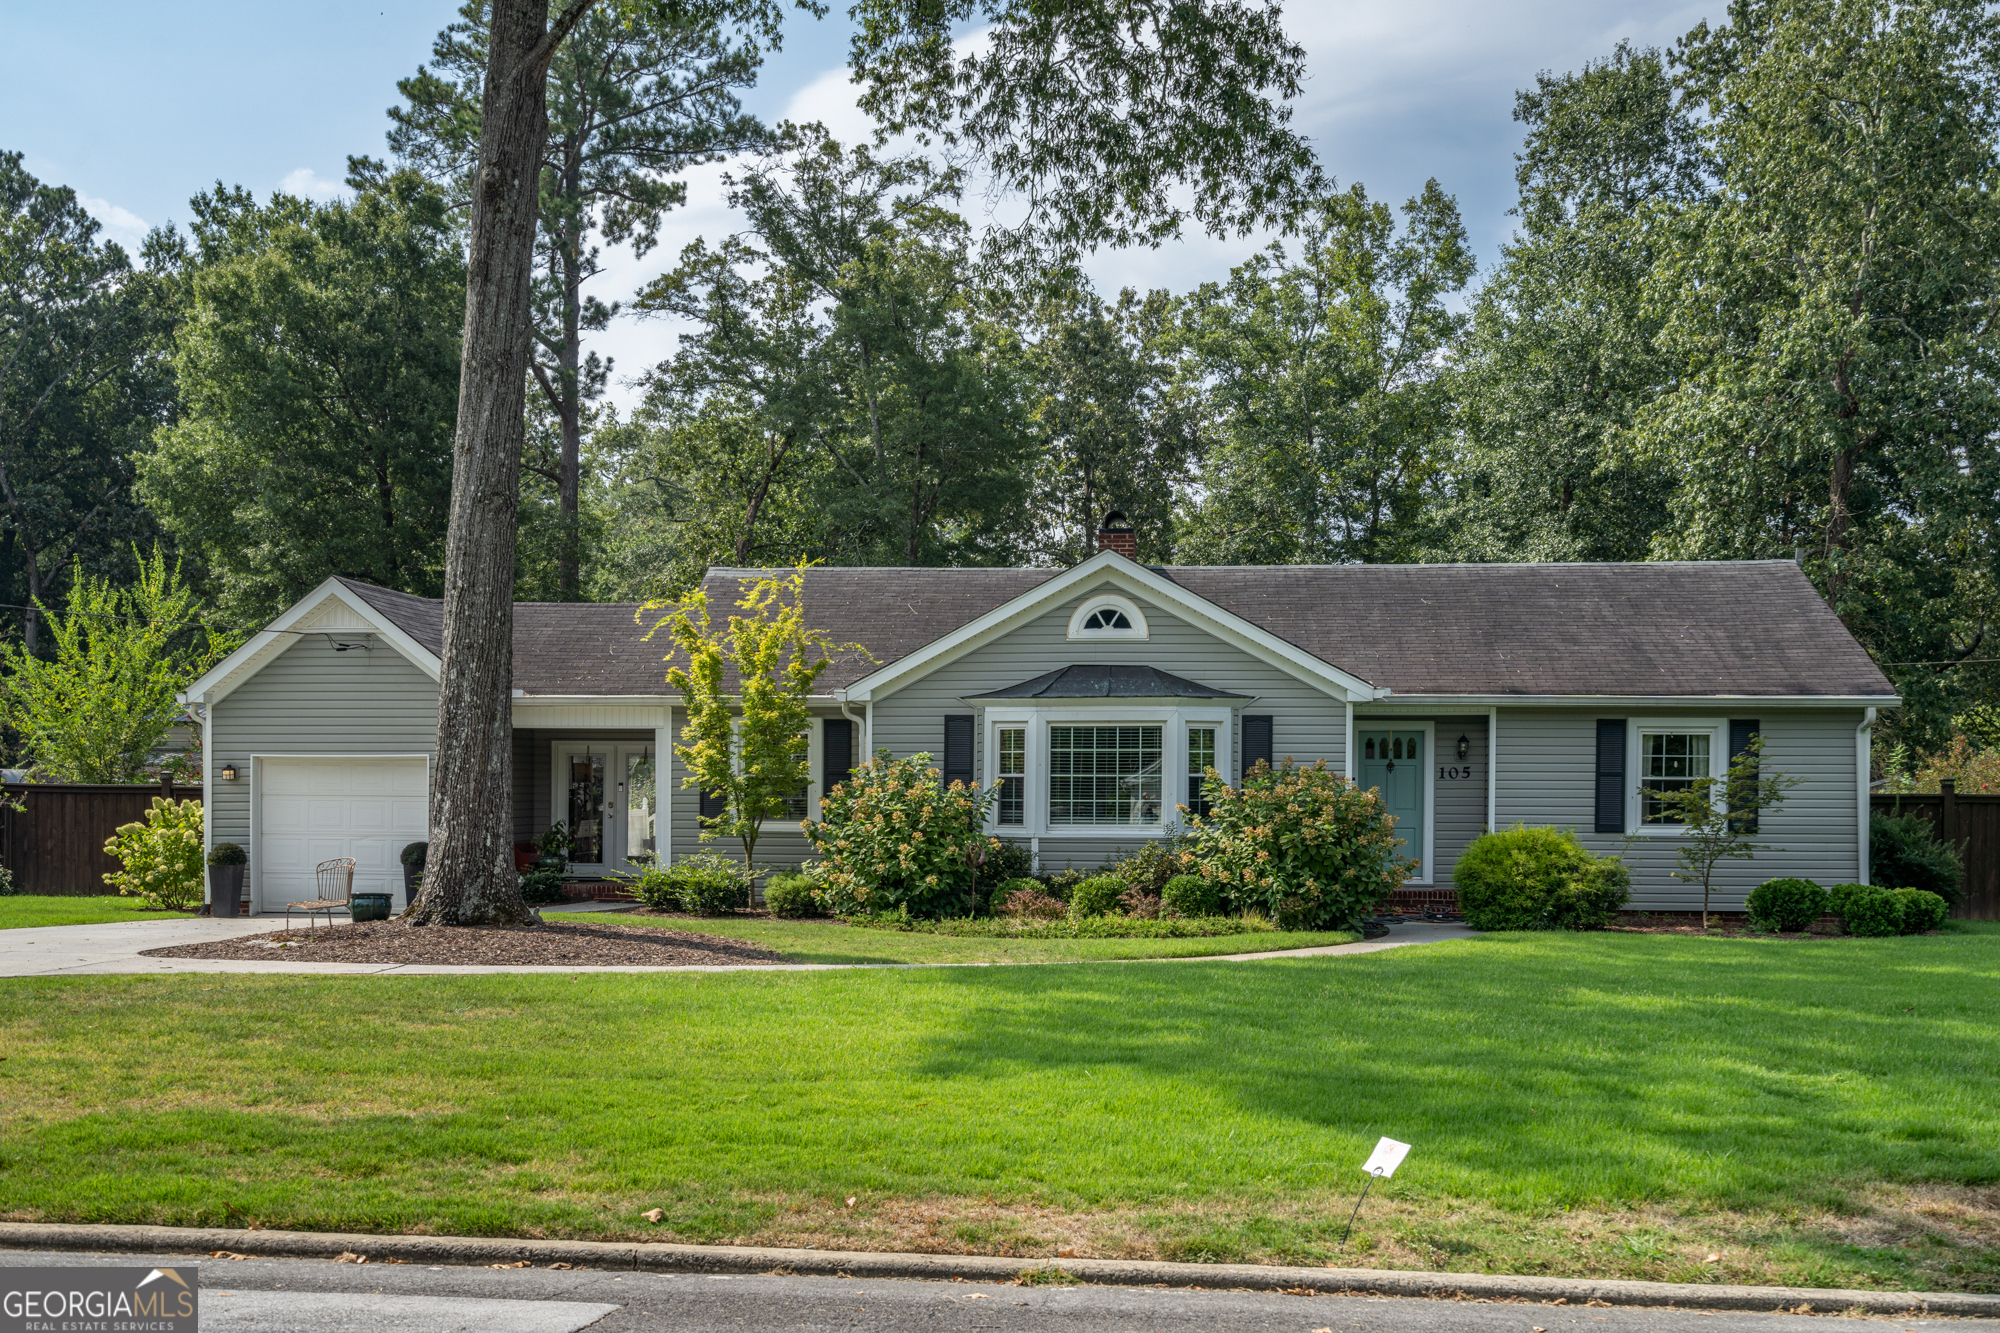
745, 685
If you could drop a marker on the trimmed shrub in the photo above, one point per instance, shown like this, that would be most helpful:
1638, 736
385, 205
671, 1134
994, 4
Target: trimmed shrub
1063, 883
1904, 850
791, 895
1787, 904
1922, 910
7, 886
1873, 912
710, 885
1538, 879
414, 854
1096, 896
541, 885
895, 837
1191, 895
162, 856
1029, 901
1841, 895
654, 886
1302, 845
228, 854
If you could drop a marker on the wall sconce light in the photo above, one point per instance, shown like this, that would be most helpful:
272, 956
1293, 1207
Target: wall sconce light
1464, 746
229, 772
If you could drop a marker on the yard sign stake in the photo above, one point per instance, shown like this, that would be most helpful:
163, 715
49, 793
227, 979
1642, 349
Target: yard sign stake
1381, 1164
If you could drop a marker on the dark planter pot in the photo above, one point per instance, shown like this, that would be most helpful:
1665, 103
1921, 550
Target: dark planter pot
369, 906
410, 874
225, 889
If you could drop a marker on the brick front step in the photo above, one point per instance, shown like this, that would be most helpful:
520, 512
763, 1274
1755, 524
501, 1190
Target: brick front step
1421, 900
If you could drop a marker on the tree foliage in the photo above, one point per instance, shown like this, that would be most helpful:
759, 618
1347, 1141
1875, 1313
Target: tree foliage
1718, 817
95, 711
318, 359
82, 383
1327, 414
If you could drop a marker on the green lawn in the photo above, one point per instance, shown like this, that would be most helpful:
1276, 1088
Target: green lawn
47, 910
834, 942
1826, 1113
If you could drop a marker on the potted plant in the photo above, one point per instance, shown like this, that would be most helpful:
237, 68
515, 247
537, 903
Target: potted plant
413, 868
225, 878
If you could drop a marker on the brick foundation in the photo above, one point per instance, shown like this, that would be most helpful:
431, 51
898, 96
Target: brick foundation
1421, 900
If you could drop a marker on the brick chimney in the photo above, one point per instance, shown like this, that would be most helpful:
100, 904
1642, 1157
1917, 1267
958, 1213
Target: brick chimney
1116, 535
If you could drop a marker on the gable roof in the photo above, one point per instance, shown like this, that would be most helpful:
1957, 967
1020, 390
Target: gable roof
1690, 629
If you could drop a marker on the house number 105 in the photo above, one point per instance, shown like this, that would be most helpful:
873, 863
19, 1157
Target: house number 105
1456, 771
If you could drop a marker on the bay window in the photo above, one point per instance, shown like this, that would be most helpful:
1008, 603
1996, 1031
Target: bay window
1090, 769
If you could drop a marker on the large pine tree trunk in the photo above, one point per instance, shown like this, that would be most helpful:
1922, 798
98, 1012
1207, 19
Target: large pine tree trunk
469, 875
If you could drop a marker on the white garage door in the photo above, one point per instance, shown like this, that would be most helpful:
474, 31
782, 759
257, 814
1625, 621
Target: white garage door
312, 810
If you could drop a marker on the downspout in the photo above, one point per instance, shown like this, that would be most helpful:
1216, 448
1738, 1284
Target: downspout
860, 725
1347, 744
1863, 737
1492, 766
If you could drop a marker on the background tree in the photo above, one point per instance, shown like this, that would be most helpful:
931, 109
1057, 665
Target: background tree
745, 687
1324, 401
1829, 307
637, 93
318, 359
95, 711
1561, 353
1107, 429
846, 340
82, 383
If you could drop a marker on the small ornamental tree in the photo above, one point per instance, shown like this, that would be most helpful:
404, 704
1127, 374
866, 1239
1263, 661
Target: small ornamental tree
1303, 845
745, 686
895, 836
122, 656
1718, 816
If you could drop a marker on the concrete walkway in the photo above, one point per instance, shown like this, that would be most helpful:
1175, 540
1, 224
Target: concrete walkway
113, 948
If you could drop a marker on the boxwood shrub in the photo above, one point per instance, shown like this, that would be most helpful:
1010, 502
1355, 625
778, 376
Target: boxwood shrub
1786, 904
1191, 896
1538, 879
1097, 896
228, 854
1922, 910
1872, 911
791, 896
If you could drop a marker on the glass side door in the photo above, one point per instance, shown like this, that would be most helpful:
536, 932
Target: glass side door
640, 807
582, 773
1392, 763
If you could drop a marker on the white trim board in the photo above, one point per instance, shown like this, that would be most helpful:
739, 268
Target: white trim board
1128, 577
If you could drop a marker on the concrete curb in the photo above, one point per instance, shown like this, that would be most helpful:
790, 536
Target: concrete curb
661, 1258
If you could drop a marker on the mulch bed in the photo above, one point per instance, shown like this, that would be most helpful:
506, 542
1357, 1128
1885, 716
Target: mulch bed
557, 944
1730, 924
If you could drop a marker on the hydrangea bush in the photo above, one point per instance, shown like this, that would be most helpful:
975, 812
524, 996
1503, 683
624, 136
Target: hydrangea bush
162, 856
1300, 844
895, 837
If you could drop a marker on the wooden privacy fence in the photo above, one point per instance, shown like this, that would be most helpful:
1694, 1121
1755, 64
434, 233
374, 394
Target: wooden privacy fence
55, 844
1971, 822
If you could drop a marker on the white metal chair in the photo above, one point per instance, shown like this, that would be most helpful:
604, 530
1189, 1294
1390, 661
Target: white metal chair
336, 889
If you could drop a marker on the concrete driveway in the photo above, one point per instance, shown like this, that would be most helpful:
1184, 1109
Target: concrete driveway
113, 948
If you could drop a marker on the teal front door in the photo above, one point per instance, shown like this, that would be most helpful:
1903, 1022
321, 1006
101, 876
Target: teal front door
1392, 763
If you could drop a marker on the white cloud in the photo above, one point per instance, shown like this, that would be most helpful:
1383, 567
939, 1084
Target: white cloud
309, 184
121, 225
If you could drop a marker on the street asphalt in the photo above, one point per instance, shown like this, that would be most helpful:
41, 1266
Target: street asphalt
319, 1296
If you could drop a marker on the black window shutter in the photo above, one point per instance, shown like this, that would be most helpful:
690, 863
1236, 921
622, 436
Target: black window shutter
1741, 732
714, 805
1610, 775
836, 754
1256, 742
958, 748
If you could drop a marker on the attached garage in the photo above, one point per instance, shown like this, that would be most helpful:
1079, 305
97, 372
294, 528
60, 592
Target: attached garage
312, 809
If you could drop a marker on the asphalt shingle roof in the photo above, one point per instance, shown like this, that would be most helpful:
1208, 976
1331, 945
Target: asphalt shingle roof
1661, 628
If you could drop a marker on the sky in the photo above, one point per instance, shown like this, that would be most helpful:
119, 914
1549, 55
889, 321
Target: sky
138, 107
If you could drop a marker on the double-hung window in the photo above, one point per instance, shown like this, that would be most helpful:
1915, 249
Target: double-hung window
1670, 761
1013, 776
1104, 775
1200, 758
